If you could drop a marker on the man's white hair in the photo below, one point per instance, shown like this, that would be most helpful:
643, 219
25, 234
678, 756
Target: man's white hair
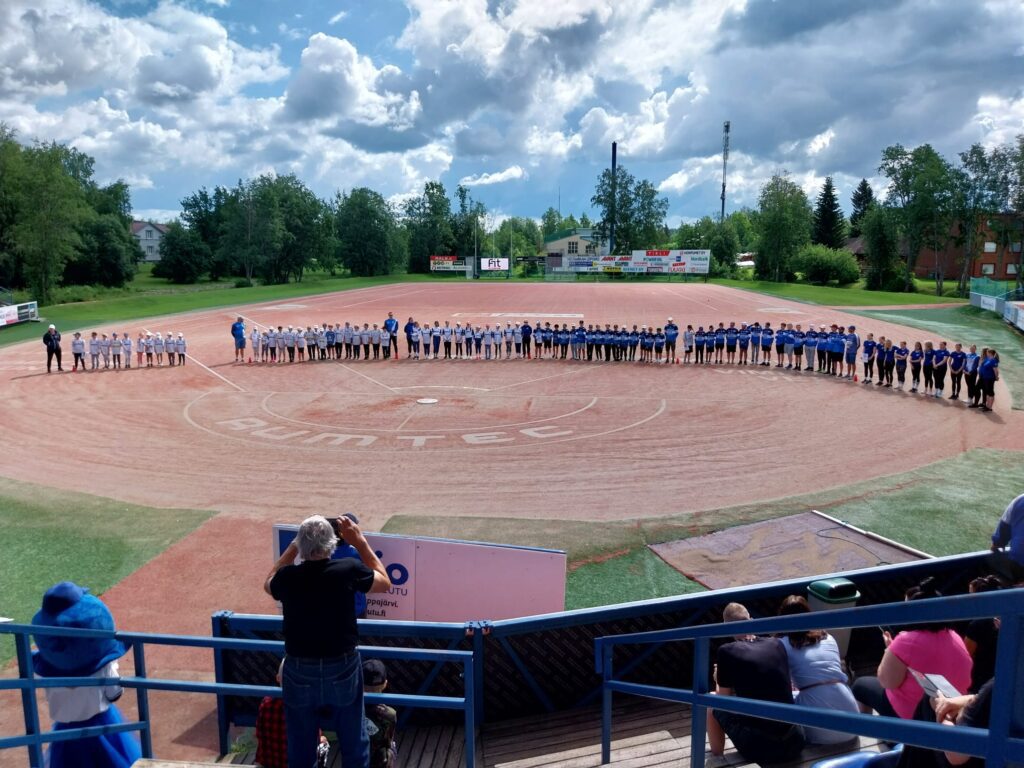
316, 539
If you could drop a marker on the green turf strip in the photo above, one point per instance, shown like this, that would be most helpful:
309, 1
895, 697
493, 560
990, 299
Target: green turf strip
852, 296
970, 325
51, 536
173, 299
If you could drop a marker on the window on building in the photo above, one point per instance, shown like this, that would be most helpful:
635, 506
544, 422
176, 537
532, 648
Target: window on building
990, 247
988, 269
574, 246
1011, 269
149, 234
1015, 247
150, 250
591, 249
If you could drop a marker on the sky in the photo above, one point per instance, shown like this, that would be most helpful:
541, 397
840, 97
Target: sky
517, 99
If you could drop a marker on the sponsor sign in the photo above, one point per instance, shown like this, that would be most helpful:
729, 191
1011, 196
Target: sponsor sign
447, 264
695, 262
19, 313
989, 303
450, 580
493, 265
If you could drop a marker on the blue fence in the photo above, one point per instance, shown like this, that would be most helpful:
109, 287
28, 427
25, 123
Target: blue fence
1000, 744
34, 739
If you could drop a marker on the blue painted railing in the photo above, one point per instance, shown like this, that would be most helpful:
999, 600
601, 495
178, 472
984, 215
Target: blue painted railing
34, 739
999, 744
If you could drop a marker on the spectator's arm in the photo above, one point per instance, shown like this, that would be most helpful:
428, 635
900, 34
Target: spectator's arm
949, 712
352, 535
287, 558
891, 671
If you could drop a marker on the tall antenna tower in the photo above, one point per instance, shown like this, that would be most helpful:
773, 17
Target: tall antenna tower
725, 165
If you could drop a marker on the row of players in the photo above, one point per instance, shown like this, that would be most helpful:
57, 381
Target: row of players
107, 352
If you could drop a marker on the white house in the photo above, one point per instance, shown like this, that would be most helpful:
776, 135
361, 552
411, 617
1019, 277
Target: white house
149, 234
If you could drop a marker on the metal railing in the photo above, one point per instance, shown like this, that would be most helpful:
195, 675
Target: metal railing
34, 739
996, 744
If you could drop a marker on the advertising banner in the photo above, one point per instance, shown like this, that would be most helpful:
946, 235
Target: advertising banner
451, 580
989, 303
19, 313
447, 264
493, 265
648, 262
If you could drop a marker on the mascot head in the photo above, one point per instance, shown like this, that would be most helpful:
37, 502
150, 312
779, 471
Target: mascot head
71, 606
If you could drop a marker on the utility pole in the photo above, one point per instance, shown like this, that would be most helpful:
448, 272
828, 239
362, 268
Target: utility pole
725, 165
611, 230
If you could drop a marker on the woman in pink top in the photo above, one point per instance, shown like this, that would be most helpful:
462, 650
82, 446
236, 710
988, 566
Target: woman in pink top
924, 648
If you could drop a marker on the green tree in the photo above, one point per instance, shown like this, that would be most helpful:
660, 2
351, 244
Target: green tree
921, 193
885, 268
428, 223
550, 221
52, 206
366, 233
822, 265
742, 222
11, 169
862, 200
585, 221
639, 211
724, 247
829, 224
783, 225
107, 253
184, 255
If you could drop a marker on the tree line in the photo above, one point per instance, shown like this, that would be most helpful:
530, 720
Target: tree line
930, 204
58, 226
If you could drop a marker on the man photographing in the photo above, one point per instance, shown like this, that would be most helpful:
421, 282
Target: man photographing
322, 670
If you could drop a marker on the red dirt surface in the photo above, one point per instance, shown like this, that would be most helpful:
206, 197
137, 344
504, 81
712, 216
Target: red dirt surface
548, 439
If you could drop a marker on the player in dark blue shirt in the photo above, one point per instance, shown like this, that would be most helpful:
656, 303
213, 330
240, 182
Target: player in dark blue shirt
671, 334
902, 355
929, 368
632, 342
781, 339
767, 336
698, 345
659, 346
957, 360
869, 357
887, 360
916, 357
732, 336
941, 364
720, 344
743, 339
988, 375
755, 344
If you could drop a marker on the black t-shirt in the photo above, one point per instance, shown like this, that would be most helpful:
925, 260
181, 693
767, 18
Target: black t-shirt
319, 605
976, 715
757, 669
984, 634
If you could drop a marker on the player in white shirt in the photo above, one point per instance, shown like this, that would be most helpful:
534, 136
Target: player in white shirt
149, 344
300, 344
115, 350
488, 340
169, 345
158, 348
385, 343
459, 335
126, 343
375, 341
140, 349
364, 336
414, 341
507, 335
446, 339
255, 338
78, 351
105, 349
517, 338
181, 348
280, 344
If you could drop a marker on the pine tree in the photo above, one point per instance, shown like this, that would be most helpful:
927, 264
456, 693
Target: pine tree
863, 198
829, 224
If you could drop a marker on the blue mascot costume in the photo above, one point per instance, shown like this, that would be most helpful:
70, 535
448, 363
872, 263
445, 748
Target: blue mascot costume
69, 605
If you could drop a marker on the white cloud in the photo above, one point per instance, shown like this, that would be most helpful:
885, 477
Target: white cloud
820, 142
999, 119
540, 143
512, 173
159, 215
339, 16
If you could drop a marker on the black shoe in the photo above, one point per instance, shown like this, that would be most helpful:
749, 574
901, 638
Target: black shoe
973, 405
984, 408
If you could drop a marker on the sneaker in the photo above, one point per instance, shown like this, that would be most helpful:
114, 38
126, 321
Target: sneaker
788, 367
984, 408
953, 397
973, 405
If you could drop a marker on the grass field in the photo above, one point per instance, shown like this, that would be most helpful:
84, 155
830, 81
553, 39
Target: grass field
852, 296
51, 536
945, 508
143, 304
971, 325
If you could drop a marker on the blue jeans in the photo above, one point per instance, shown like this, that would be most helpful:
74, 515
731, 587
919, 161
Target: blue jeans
334, 688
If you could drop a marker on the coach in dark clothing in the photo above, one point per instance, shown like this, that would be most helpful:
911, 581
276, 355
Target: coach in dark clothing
322, 671
51, 339
754, 668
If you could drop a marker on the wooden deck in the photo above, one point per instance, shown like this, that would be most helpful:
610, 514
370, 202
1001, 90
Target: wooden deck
645, 734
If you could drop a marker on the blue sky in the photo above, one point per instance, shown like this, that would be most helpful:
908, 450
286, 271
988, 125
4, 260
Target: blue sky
519, 99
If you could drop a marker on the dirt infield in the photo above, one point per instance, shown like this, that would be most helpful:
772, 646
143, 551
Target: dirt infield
528, 438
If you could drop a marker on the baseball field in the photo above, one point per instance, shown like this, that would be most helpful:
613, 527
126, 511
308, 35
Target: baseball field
158, 486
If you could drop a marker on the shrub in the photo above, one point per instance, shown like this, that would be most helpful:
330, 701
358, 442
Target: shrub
821, 265
243, 282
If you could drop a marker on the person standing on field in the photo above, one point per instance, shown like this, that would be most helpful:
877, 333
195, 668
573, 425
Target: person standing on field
238, 333
391, 326
51, 340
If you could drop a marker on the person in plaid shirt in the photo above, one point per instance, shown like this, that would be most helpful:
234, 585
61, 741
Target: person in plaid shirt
271, 736
380, 718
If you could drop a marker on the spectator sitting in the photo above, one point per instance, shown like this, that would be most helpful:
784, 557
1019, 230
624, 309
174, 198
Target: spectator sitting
381, 719
271, 736
933, 648
756, 668
982, 635
971, 711
1010, 532
816, 669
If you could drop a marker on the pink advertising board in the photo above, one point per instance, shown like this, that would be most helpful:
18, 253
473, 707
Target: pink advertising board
451, 580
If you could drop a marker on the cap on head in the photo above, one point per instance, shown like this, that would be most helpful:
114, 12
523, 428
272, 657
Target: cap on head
374, 672
53, 327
